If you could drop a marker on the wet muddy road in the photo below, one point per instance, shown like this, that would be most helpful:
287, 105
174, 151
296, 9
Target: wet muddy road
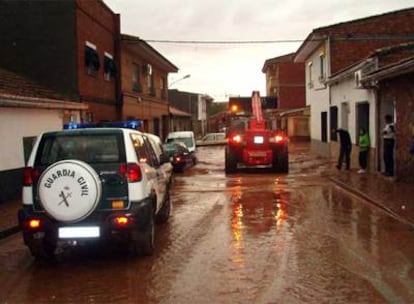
245, 238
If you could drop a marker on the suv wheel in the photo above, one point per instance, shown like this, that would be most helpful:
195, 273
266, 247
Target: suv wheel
143, 244
230, 162
280, 163
165, 210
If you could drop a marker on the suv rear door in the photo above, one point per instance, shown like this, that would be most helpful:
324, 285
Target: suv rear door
102, 149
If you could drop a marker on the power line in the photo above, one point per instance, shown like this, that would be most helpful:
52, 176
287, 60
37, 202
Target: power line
239, 42
40, 38
224, 41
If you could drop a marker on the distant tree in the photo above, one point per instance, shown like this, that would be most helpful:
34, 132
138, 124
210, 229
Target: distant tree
217, 107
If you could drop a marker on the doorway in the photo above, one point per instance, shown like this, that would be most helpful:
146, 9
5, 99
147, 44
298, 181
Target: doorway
324, 126
362, 117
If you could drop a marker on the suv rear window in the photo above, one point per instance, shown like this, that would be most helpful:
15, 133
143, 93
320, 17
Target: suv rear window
90, 148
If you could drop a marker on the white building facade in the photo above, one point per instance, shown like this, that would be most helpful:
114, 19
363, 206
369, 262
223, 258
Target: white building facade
22, 119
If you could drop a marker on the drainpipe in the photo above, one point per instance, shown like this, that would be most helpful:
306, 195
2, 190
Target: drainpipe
117, 50
378, 130
328, 72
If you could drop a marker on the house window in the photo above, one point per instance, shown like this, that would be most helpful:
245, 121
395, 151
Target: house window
310, 80
150, 79
136, 84
322, 69
110, 69
92, 63
163, 88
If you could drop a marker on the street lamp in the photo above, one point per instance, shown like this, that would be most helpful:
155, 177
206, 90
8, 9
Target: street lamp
182, 78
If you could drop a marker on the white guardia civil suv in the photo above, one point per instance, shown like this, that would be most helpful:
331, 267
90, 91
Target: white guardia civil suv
86, 185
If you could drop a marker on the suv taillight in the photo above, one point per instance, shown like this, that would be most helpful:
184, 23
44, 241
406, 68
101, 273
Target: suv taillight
132, 172
235, 138
121, 221
30, 175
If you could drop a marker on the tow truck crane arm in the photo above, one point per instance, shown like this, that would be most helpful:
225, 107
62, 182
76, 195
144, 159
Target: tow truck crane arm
257, 121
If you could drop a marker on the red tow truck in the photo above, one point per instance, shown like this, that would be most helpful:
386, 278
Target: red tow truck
250, 142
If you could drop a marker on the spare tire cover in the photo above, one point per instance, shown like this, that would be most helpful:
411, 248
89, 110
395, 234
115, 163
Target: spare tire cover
69, 190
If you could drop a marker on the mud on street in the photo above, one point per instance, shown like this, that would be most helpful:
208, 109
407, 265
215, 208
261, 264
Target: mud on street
250, 237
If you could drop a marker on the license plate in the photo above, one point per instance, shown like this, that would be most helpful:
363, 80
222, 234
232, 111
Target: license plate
258, 139
257, 154
78, 232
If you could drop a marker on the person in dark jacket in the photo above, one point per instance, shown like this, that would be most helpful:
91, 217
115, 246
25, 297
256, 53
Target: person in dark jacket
388, 135
345, 148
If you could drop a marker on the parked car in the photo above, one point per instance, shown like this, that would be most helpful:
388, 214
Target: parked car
186, 137
180, 157
211, 139
93, 185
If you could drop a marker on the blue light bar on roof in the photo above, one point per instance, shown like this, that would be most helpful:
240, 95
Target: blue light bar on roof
128, 124
84, 125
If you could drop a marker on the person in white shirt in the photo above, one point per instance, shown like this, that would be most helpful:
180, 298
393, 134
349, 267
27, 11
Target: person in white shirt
388, 135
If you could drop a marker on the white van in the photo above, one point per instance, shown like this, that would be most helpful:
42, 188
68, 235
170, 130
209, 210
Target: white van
186, 137
211, 139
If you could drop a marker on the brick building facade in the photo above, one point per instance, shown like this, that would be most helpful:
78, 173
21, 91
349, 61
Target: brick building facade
68, 46
98, 29
394, 85
285, 80
401, 90
144, 85
352, 41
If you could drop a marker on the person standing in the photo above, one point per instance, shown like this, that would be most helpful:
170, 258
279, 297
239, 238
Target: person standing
388, 135
345, 148
364, 143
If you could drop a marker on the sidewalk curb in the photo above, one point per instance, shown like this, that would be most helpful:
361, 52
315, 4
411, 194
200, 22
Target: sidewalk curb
9, 231
366, 197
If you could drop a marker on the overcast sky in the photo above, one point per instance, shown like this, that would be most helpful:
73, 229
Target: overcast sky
222, 70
